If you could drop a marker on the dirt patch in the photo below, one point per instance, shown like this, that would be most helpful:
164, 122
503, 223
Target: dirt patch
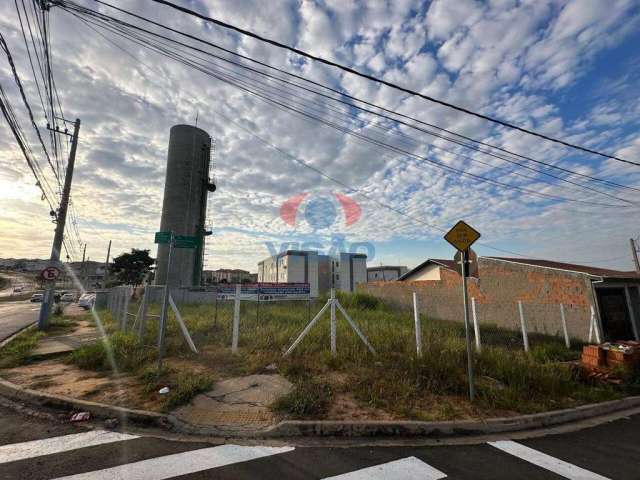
347, 408
57, 378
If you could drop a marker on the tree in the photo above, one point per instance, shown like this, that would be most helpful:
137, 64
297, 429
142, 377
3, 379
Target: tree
131, 268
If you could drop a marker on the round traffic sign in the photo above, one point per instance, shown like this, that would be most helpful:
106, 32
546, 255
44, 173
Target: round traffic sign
50, 273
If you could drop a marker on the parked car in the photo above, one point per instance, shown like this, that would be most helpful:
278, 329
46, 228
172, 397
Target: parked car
87, 301
67, 297
17, 289
37, 297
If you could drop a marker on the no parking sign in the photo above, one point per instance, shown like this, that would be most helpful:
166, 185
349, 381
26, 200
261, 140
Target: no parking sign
50, 273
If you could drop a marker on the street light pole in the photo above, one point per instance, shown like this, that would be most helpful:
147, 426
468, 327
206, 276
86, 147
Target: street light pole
61, 218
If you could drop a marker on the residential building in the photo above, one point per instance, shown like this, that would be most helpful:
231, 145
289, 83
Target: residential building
319, 271
385, 273
543, 288
349, 270
291, 266
228, 275
430, 269
90, 274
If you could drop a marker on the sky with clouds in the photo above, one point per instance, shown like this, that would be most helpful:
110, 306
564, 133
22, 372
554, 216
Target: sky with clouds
569, 69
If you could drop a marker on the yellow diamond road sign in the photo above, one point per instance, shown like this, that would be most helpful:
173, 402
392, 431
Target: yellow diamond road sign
462, 236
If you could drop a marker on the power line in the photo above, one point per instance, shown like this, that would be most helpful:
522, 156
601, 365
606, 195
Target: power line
146, 43
389, 84
107, 18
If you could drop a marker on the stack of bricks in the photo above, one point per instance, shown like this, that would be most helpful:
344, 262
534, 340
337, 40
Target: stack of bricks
594, 356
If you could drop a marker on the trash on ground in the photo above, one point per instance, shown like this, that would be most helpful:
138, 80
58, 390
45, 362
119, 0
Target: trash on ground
163, 390
80, 417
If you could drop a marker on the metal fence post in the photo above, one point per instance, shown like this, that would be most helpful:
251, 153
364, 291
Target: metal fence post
523, 325
418, 327
125, 307
236, 320
143, 312
565, 332
476, 327
334, 349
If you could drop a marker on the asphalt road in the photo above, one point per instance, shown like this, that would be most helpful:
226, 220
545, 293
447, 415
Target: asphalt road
37, 449
14, 316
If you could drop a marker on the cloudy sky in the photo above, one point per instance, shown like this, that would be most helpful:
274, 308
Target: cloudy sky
569, 69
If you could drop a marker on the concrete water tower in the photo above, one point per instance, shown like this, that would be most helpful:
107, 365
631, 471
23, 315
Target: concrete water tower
185, 204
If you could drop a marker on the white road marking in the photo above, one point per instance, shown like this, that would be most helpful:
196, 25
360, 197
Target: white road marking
48, 446
564, 469
178, 464
410, 468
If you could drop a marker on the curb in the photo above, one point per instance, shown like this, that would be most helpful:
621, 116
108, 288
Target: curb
17, 393
14, 335
325, 428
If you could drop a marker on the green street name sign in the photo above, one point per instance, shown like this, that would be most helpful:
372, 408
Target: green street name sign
162, 237
185, 241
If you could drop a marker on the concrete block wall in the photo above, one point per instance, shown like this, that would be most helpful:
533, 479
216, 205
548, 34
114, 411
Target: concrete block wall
498, 288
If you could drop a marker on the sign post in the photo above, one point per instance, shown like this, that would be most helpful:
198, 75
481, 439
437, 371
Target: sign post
162, 237
462, 236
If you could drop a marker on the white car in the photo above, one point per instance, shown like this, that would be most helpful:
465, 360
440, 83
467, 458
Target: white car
37, 297
67, 297
87, 301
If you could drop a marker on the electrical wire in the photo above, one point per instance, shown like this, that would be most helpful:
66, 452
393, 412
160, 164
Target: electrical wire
387, 83
440, 165
88, 11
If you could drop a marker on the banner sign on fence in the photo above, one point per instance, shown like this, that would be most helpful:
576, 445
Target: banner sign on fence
266, 291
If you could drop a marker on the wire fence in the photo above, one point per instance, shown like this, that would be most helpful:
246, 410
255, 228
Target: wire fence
209, 316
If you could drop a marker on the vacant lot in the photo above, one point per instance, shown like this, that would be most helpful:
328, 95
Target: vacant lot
394, 383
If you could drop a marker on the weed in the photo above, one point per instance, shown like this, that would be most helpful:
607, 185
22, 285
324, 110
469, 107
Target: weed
309, 398
186, 386
128, 354
17, 351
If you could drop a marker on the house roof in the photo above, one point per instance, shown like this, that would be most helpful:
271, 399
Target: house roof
384, 267
595, 271
449, 264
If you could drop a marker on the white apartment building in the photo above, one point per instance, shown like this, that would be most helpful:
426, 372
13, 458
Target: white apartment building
292, 266
297, 266
385, 273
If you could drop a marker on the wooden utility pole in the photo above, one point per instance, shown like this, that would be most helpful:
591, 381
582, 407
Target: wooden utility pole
634, 253
61, 219
106, 267
82, 267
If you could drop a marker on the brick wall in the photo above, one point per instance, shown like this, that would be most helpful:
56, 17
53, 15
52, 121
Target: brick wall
497, 290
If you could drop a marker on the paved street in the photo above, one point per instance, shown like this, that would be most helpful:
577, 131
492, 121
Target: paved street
36, 449
16, 315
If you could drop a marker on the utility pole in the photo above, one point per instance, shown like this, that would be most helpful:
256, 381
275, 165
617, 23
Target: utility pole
45, 309
106, 267
82, 267
634, 252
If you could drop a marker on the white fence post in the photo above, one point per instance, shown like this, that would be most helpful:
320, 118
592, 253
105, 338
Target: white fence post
525, 338
593, 327
416, 318
236, 320
564, 327
334, 348
476, 326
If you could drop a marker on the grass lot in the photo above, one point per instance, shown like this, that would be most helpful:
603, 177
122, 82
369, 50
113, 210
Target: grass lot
393, 382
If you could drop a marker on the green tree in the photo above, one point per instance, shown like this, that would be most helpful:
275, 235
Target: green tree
131, 268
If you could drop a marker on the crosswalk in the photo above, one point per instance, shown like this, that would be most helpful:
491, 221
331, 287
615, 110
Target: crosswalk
282, 462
